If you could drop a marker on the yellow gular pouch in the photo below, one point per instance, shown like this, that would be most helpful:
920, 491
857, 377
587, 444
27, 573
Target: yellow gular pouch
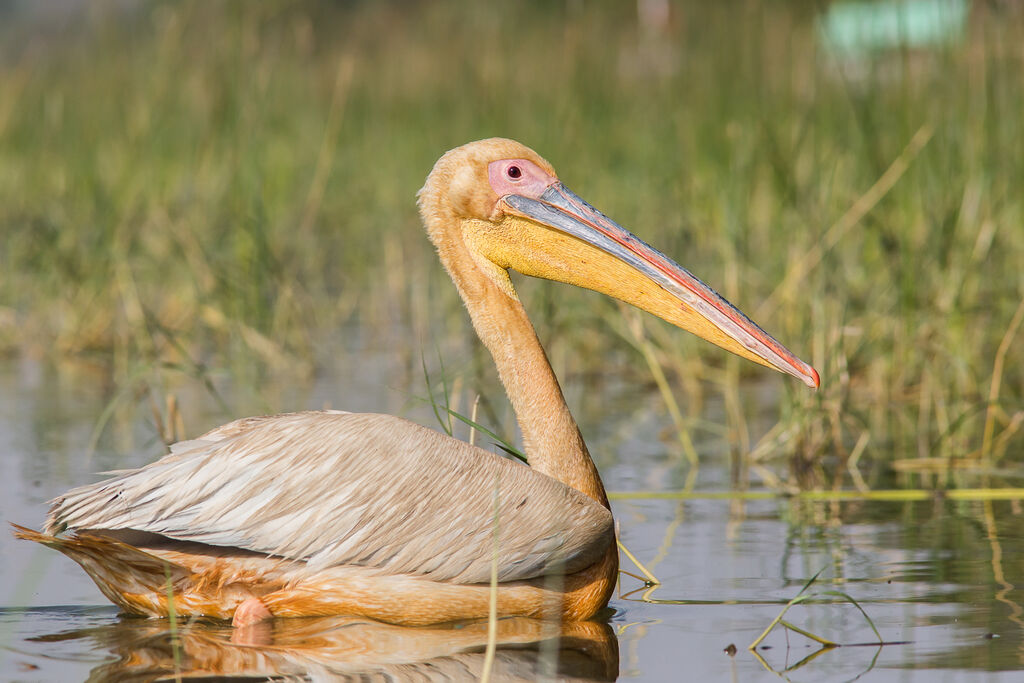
537, 250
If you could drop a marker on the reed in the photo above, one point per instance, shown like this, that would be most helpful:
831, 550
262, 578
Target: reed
193, 184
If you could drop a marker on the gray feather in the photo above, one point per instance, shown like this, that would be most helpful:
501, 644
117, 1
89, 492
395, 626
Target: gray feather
336, 489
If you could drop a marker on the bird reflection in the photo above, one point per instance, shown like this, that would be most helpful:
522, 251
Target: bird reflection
344, 648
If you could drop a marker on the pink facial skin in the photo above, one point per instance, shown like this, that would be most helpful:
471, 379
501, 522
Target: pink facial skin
518, 176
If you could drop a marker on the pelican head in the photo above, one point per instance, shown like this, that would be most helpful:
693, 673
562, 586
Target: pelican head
500, 205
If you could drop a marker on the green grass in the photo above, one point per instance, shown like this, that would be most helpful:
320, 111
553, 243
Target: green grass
193, 183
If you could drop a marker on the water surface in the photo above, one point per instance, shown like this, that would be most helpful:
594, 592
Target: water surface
937, 577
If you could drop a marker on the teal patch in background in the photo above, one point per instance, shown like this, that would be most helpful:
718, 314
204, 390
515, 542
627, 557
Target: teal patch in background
854, 28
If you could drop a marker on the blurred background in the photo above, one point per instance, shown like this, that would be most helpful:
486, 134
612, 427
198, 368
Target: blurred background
193, 188
207, 210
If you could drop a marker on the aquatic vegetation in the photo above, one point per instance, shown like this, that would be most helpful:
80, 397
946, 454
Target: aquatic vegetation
195, 185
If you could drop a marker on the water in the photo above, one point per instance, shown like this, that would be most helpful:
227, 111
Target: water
936, 577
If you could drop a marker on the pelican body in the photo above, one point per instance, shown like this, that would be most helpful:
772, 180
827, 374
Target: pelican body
330, 513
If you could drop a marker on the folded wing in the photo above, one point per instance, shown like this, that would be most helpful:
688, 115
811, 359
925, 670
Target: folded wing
334, 489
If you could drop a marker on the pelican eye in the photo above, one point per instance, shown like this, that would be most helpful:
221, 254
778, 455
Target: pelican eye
514, 172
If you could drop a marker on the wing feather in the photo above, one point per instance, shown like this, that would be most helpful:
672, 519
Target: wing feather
334, 488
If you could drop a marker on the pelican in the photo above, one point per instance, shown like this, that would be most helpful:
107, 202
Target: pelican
330, 513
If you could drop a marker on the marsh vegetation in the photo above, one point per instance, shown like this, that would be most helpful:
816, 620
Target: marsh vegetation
188, 186
211, 206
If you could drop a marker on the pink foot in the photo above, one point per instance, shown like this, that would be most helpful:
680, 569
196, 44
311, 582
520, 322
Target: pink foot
251, 611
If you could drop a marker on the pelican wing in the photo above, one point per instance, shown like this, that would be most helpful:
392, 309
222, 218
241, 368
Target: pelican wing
333, 488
